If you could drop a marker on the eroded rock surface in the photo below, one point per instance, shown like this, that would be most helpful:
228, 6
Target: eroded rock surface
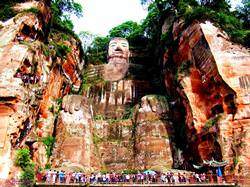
215, 79
31, 83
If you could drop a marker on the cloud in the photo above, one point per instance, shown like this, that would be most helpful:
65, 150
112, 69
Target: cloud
101, 16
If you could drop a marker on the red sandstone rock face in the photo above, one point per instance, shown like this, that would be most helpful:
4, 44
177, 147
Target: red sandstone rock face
212, 71
112, 99
113, 144
30, 85
215, 79
137, 144
233, 62
153, 144
73, 140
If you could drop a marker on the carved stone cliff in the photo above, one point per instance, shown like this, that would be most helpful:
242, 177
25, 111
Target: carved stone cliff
33, 78
124, 124
214, 78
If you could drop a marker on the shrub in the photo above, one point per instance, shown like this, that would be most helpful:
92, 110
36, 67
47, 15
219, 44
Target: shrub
23, 158
28, 176
183, 70
99, 117
49, 142
48, 166
28, 172
6, 11
212, 121
36, 11
130, 171
97, 139
128, 113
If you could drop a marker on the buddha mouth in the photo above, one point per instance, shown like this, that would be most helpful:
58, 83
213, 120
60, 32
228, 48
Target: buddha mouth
117, 59
118, 53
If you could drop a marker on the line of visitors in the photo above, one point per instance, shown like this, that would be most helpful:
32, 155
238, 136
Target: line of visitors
53, 176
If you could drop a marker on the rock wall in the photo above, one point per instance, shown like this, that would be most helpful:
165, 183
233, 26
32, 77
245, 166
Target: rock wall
117, 125
73, 146
32, 83
141, 142
214, 77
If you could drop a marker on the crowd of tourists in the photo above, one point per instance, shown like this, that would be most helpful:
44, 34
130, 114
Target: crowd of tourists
53, 177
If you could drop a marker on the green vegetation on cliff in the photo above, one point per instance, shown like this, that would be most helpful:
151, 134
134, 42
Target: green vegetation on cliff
148, 34
23, 160
7, 11
235, 22
49, 143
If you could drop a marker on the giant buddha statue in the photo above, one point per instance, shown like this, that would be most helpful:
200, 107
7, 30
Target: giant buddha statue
115, 70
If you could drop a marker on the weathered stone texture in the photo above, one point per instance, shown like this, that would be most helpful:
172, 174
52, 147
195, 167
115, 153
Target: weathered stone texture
30, 85
73, 146
216, 81
113, 141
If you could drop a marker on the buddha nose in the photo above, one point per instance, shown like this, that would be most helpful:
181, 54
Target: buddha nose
118, 48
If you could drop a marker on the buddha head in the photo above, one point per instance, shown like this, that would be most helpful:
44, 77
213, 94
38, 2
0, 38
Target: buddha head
118, 49
118, 58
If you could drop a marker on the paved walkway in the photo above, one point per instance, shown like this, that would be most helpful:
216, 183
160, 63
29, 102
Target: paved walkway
136, 185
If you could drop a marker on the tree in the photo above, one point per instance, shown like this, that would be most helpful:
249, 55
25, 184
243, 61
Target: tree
22, 158
87, 38
216, 4
67, 6
130, 30
162, 4
244, 13
125, 30
97, 51
61, 11
7, 11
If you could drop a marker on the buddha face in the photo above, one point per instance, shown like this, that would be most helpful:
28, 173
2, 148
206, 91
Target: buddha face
118, 56
118, 47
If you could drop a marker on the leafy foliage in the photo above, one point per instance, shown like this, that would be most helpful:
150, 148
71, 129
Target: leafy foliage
7, 11
49, 143
61, 11
130, 30
131, 171
235, 23
97, 139
129, 111
61, 50
215, 4
97, 51
183, 70
47, 166
124, 30
23, 160
212, 122
28, 176
99, 117
226, 20
243, 13
55, 49
86, 38
67, 6
36, 11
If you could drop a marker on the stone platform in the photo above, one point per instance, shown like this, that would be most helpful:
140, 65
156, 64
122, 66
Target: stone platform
136, 185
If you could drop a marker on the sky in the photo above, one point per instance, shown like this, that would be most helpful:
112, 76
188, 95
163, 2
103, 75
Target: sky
100, 16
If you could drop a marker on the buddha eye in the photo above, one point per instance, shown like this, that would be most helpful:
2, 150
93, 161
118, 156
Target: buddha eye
124, 44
